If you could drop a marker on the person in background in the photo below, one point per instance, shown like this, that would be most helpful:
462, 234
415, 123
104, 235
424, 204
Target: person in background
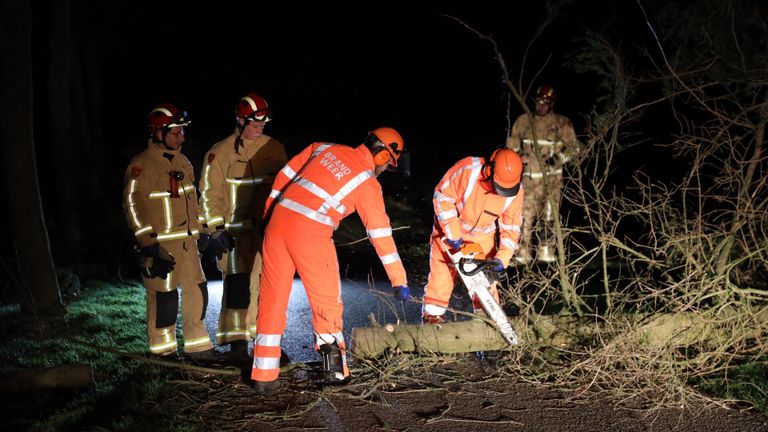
237, 177
160, 205
555, 144
312, 193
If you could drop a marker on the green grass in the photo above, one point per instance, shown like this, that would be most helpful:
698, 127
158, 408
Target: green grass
747, 382
128, 394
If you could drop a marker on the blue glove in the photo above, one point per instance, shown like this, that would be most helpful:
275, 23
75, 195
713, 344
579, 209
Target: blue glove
498, 266
455, 244
402, 292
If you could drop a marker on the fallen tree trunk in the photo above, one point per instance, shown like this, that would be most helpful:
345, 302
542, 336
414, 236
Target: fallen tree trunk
714, 328
66, 377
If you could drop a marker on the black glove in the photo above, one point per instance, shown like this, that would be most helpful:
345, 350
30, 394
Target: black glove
155, 261
221, 242
202, 242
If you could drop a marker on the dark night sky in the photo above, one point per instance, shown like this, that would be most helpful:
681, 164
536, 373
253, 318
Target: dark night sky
329, 73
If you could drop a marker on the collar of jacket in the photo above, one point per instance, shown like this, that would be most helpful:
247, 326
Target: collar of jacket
159, 148
366, 155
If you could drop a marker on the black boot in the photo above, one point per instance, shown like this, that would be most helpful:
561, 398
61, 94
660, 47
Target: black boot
209, 357
266, 388
238, 353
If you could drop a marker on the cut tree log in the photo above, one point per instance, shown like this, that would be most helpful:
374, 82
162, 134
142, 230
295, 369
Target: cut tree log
66, 377
656, 331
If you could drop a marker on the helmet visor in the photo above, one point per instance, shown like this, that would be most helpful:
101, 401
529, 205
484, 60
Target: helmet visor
180, 119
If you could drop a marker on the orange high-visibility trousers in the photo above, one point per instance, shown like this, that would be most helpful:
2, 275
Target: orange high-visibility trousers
442, 273
293, 243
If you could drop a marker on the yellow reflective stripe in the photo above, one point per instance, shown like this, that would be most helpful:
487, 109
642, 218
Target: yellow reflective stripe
233, 200
541, 142
204, 193
168, 214
162, 347
142, 230
197, 342
254, 180
176, 235
132, 204
215, 221
230, 333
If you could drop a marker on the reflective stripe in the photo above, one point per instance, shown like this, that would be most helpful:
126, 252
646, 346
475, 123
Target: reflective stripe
244, 224
468, 228
476, 166
541, 142
163, 347
165, 194
274, 193
168, 214
176, 235
540, 175
266, 363
330, 202
439, 197
232, 200
446, 215
379, 233
254, 180
272, 340
506, 227
142, 230
508, 244
306, 211
329, 338
215, 221
196, 342
204, 193
132, 204
389, 259
289, 172
230, 333
431, 309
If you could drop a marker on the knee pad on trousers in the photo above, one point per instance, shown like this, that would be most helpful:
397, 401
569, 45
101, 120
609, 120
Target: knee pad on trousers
333, 363
167, 305
204, 290
238, 292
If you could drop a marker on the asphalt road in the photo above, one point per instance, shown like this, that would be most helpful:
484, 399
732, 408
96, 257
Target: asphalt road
359, 302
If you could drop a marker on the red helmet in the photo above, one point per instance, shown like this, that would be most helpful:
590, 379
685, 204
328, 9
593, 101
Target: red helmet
507, 168
253, 107
166, 116
545, 95
389, 139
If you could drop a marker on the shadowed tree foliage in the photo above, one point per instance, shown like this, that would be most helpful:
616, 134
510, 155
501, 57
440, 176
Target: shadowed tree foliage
30, 236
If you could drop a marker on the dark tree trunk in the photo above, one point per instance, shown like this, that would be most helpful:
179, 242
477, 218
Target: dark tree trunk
30, 236
66, 152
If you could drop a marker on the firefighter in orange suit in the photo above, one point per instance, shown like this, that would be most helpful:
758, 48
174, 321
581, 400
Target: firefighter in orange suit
555, 146
237, 177
476, 201
160, 204
312, 193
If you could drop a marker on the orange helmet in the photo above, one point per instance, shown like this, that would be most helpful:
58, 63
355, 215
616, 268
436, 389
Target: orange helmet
545, 95
507, 168
390, 142
253, 107
166, 116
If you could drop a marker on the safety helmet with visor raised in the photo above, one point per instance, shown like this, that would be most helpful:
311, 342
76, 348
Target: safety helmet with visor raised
386, 146
164, 117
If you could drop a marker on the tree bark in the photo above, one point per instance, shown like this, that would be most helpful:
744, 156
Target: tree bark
655, 331
65, 150
30, 236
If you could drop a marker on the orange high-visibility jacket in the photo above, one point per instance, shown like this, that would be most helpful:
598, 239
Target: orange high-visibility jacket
466, 207
152, 209
327, 182
236, 182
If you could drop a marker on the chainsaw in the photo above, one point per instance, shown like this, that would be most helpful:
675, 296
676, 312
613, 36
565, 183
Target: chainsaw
471, 264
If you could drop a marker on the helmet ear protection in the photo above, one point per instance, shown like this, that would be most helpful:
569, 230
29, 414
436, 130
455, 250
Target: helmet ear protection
490, 165
382, 153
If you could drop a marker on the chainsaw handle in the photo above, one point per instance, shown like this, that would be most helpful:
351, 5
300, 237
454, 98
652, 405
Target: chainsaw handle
481, 264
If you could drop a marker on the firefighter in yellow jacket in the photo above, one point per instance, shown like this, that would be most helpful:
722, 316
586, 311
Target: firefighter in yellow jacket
543, 159
237, 177
160, 205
